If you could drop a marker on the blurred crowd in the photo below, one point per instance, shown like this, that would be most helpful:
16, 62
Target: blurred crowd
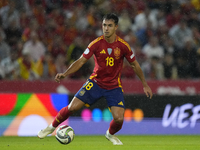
39, 38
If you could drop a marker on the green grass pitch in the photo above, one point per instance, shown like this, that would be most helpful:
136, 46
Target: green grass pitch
138, 142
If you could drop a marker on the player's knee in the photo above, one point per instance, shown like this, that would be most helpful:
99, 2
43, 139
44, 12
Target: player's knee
119, 119
72, 109
75, 105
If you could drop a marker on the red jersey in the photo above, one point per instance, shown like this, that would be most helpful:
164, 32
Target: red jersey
109, 59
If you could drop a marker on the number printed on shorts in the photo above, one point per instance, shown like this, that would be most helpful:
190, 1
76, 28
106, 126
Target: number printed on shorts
88, 85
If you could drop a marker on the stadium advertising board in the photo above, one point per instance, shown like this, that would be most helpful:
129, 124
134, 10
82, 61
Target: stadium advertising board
24, 114
166, 87
160, 115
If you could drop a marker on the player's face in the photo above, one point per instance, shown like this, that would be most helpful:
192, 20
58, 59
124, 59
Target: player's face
109, 28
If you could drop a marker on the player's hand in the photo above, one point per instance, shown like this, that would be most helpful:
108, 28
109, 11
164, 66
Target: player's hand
59, 76
148, 92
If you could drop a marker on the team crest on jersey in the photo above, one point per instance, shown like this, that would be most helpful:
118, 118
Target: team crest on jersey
86, 51
117, 52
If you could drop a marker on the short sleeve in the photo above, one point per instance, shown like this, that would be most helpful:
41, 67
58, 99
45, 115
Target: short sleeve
87, 53
130, 56
91, 48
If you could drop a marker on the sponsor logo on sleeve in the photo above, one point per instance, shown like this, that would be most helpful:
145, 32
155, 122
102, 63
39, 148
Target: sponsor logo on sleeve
86, 51
132, 56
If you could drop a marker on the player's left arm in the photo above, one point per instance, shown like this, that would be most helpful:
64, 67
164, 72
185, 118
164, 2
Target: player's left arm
137, 69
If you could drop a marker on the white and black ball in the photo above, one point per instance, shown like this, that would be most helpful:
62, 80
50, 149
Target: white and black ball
65, 134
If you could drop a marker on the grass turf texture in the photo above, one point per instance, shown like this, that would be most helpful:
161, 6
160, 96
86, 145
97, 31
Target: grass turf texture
182, 142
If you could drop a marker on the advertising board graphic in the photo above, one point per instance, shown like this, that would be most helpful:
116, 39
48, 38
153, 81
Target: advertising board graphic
24, 114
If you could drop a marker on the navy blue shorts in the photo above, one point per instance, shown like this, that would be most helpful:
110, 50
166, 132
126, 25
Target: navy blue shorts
91, 92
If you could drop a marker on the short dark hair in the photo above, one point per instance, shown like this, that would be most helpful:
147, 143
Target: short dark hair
112, 16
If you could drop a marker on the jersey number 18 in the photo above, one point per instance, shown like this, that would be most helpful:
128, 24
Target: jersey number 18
109, 61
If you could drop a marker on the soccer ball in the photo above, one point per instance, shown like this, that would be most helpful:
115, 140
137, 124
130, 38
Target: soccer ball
65, 134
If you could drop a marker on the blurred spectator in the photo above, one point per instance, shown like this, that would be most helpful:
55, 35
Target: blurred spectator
144, 17
124, 22
160, 17
144, 34
82, 21
19, 47
3, 52
105, 8
186, 7
9, 13
170, 48
196, 4
193, 19
196, 36
198, 65
74, 52
32, 26
2, 33
57, 15
46, 67
174, 17
119, 5
181, 69
179, 32
88, 35
4, 48
169, 68
160, 27
13, 33
168, 5
70, 32
50, 5
60, 63
162, 33
35, 47
153, 69
57, 47
22, 5
24, 20
27, 67
189, 54
97, 28
11, 66
3, 3
38, 9
48, 32
153, 48
130, 37
91, 14
2, 74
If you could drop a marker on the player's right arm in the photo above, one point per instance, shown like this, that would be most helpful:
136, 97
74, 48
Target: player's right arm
75, 66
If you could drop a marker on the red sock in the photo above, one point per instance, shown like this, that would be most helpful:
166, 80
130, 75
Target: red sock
62, 115
114, 127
